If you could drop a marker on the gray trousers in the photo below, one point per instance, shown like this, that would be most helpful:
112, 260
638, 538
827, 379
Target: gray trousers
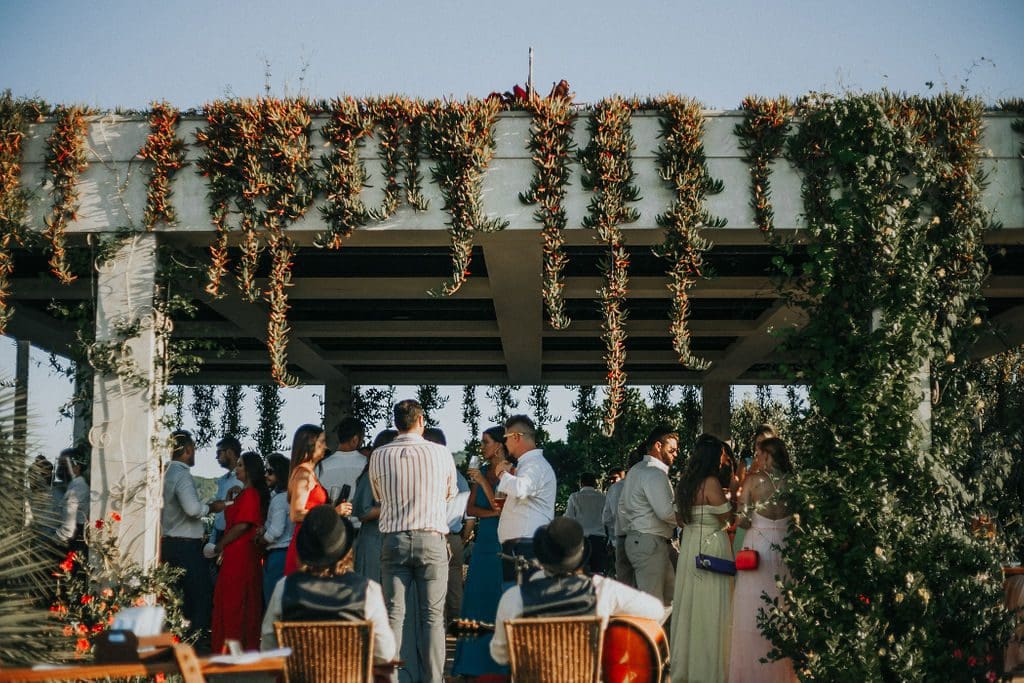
649, 555
417, 560
623, 569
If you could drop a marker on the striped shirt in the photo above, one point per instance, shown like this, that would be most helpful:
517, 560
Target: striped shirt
413, 479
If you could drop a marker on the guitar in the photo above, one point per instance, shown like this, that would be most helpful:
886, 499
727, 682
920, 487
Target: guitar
635, 650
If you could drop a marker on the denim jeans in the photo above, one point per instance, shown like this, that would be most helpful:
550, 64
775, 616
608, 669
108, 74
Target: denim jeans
417, 560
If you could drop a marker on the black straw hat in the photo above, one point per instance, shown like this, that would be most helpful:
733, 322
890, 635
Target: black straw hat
560, 546
324, 538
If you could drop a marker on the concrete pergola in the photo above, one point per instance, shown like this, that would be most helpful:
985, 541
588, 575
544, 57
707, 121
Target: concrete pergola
362, 315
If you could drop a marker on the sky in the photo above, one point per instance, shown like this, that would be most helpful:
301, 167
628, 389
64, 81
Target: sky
127, 54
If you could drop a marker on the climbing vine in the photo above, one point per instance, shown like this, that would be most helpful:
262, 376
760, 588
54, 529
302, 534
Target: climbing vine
471, 418
762, 135
231, 412
460, 138
257, 158
432, 400
552, 149
683, 166
65, 162
203, 405
167, 153
270, 432
15, 116
608, 174
887, 288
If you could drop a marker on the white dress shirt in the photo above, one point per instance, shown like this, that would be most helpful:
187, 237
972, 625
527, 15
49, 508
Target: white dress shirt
457, 505
182, 515
413, 479
337, 470
376, 612
75, 509
531, 497
225, 483
277, 532
646, 505
613, 598
586, 506
610, 514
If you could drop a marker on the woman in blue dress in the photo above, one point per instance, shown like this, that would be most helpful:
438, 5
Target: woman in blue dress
483, 581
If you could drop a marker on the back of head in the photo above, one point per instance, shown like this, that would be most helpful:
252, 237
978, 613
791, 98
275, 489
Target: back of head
435, 435
230, 443
636, 456
181, 441
407, 412
349, 428
776, 448
384, 437
278, 464
304, 443
588, 479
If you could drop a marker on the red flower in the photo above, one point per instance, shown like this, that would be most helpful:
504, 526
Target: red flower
115, 517
99, 523
82, 645
991, 677
971, 661
160, 678
86, 599
957, 654
864, 599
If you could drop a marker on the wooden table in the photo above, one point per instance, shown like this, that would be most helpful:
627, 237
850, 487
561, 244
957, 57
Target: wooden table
93, 672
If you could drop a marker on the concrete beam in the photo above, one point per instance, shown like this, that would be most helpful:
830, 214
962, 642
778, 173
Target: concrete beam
754, 347
514, 262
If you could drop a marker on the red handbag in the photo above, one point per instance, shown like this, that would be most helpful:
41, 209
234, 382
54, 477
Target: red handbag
747, 559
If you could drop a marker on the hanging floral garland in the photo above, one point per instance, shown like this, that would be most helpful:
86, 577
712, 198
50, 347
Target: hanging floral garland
399, 125
15, 115
552, 149
258, 159
460, 138
683, 166
167, 152
344, 174
608, 173
65, 162
762, 136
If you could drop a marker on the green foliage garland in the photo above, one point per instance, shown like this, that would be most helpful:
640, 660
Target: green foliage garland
231, 412
505, 401
888, 581
258, 159
552, 149
344, 174
167, 152
373, 406
540, 409
762, 135
203, 404
683, 166
460, 138
399, 123
471, 418
608, 174
432, 400
15, 115
270, 432
65, 162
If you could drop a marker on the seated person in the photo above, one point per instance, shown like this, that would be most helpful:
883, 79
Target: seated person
563, 590
324, 589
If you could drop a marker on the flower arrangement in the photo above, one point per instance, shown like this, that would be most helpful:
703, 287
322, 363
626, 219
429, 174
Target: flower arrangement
65, 162
89, 594
167, 152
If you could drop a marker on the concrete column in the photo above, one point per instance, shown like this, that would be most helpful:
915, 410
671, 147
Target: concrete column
20, 431
127, 447
84, 379
337, 404
715, 411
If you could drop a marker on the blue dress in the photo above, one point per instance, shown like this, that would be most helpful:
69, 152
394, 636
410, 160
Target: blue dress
480, 600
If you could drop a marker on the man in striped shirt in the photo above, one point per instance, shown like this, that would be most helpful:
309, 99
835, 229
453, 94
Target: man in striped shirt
413, 479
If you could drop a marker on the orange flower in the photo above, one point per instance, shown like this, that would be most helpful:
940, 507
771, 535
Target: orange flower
82, 645
86, 599
115, 517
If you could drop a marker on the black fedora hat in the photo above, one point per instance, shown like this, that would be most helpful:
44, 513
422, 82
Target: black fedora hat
560, 545
324, 538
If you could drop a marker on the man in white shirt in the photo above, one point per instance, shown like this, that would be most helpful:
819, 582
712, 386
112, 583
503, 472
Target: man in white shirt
414, 479
562, 590
586, 507
529, 493
181, 522
648, 509
325, 589
343, 467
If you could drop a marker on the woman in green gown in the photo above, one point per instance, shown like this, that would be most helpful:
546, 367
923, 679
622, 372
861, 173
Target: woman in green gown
702, 605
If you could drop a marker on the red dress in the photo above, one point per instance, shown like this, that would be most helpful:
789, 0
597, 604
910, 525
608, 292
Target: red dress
238, 595
317, 496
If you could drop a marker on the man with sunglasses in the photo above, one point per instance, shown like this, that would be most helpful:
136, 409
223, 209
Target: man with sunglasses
529, 493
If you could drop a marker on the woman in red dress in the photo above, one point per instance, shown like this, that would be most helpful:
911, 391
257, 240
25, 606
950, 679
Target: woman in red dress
304, 490
238, 596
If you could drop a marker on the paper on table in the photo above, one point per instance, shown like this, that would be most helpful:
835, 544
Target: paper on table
251, 656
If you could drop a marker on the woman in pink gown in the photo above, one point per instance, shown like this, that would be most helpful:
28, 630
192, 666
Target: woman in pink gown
763, 512
238, 596
304, 490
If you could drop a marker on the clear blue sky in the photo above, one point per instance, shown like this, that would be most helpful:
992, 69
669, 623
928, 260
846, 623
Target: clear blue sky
127, 54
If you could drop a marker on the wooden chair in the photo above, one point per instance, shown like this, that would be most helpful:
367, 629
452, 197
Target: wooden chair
564, 649
327, 651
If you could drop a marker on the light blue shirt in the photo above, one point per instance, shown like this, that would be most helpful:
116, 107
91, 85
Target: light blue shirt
225, 483
457, 505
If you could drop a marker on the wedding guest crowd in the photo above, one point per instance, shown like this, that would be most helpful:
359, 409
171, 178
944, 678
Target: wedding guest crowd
381, 532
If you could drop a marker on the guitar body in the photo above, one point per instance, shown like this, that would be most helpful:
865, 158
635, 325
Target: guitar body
635, 651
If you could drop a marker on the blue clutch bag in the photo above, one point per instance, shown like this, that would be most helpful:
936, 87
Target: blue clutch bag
710, 563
